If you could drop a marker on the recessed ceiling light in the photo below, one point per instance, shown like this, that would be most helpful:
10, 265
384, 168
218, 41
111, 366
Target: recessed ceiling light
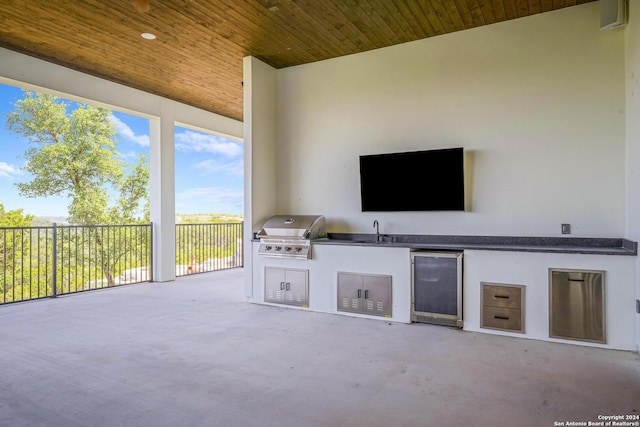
148, 36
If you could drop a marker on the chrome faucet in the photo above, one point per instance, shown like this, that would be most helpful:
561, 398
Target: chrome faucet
377, 227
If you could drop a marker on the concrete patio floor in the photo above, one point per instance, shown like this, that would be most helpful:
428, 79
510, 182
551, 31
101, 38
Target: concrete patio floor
194, 353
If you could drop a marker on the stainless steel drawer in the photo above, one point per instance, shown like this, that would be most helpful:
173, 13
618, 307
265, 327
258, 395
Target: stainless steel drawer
577, 305
502, 318
502, 296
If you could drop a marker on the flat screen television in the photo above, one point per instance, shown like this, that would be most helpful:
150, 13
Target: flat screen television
429, 180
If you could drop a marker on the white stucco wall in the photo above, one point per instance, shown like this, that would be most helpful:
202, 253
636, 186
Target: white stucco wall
531, 270
542, 107
632, 47
538, 103
323, 270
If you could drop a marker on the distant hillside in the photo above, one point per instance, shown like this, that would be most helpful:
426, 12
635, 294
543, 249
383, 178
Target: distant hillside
45, 221
208, 218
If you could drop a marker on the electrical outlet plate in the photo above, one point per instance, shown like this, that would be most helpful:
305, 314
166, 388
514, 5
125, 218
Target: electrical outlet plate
566, 228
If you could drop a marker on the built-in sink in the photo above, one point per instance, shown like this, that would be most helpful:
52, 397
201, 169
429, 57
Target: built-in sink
383, 239
370, 239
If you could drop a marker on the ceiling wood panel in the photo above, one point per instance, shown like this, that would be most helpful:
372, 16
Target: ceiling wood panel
197, 57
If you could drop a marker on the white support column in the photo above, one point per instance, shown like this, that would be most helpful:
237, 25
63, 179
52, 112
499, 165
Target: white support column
260, 143
632, 155
162, 183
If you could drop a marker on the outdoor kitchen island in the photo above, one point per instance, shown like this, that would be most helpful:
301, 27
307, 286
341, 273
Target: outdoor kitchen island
524, 263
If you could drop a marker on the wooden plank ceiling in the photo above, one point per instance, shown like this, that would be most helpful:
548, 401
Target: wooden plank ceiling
197, 56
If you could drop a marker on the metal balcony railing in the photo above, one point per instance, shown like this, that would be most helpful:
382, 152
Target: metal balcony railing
202, 248
41, 262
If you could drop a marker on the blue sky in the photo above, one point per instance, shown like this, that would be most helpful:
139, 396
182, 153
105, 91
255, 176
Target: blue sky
209, 168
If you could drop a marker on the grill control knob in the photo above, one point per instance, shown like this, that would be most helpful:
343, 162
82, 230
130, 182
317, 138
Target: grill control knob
269, 248
288, 248
278, 248
298, 249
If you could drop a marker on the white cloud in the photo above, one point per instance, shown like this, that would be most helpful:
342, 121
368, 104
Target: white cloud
127, 133
203, 142
215, 166
7, 170
128, 154
210, 199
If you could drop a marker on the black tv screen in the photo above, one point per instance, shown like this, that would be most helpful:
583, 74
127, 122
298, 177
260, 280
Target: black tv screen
430, 180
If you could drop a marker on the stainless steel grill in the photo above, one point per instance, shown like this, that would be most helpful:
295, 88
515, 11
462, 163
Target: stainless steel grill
290, 236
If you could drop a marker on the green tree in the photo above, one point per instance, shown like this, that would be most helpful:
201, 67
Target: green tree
15, 218
133, 201
15, 240
72, 153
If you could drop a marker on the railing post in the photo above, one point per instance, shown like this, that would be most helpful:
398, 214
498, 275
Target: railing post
241, 251
55, 261
151, 255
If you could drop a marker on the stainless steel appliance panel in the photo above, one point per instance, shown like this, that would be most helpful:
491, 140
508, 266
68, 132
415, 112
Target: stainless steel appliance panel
290, 236
350, 292
297, 288
502, 318
377, 295
365, 294
286, 286
274, 288
437, 288
577, 305
502, 296
502, 307
294, 226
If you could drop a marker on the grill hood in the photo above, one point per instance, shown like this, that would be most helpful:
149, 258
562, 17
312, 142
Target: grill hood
303, 227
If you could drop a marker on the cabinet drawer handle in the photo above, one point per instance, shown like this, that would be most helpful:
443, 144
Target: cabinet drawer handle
288, 286
359, 293
282, 286
501, 317
501, 296
366, 294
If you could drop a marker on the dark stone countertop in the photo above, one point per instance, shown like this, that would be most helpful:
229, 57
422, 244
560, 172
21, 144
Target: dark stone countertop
568, 245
